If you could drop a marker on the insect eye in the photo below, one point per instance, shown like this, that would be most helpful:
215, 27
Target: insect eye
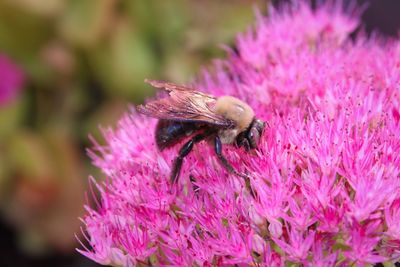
253, 137
259, 125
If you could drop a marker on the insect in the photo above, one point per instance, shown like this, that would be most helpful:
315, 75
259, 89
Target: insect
188, 113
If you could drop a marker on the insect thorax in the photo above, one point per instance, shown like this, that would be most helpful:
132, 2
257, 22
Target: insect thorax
228, 136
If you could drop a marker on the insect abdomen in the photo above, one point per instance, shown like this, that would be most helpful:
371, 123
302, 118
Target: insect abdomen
168, 133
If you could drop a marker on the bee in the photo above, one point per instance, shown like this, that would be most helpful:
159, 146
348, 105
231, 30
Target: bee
188, 113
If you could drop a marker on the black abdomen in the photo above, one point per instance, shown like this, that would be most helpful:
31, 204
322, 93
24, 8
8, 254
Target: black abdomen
168, 133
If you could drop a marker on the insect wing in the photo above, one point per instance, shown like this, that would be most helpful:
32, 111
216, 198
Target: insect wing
184, 104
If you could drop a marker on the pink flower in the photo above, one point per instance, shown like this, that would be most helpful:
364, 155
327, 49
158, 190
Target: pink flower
11, 79
298, 244
392, 214
362, 240
327, 171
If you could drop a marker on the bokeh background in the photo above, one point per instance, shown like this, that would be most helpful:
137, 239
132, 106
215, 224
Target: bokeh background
68, 66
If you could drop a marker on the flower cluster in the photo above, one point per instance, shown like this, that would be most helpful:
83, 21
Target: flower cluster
11, 79
327, 171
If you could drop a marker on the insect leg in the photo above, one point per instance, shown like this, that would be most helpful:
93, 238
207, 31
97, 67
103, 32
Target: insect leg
222, 159
183, 152
244, 143
228, 166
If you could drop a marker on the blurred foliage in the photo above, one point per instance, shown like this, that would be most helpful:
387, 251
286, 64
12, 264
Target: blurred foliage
85, 61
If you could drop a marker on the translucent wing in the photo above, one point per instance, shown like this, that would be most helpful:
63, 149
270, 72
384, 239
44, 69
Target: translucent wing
183, 104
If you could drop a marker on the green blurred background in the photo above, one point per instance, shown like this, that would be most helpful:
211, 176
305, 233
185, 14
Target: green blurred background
84, 62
